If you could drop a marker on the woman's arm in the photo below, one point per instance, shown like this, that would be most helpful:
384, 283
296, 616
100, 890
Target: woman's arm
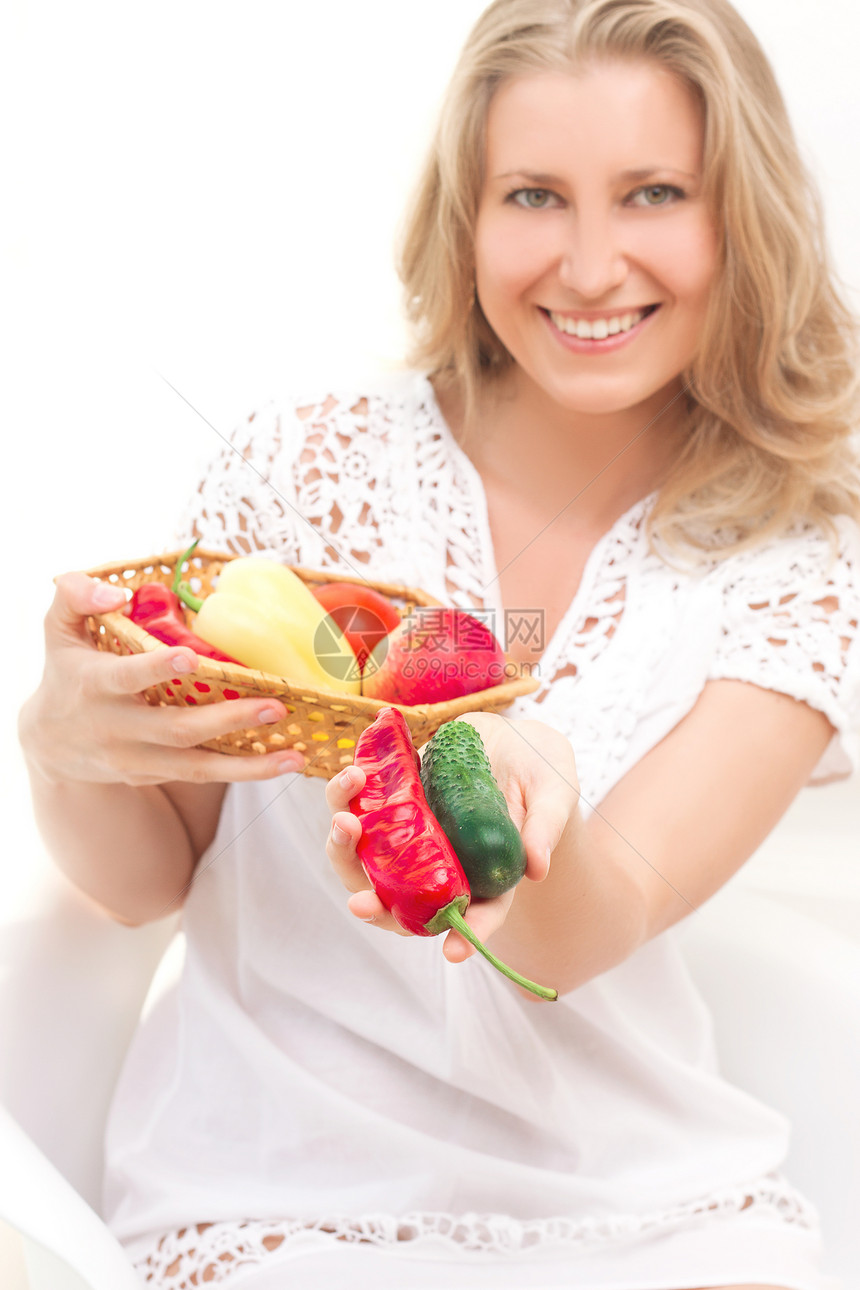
128, 849
705, 798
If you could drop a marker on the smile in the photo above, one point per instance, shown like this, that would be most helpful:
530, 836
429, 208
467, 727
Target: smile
596, 336
599, 328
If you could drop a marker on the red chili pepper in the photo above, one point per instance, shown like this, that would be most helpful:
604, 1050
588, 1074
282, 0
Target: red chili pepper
159, 611
407, 857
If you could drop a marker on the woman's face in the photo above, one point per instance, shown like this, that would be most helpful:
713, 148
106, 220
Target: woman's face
594, 250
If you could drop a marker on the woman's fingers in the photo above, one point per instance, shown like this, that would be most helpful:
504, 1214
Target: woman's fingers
551, 804
484, 917
340, 848
343, 786
345, 828
89, 720
189, 727
367, 906
126, 674
341, 851
535, 767
157, 744
150, 765
76, 597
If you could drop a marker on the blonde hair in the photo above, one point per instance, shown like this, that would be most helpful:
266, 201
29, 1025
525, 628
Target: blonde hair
772, 394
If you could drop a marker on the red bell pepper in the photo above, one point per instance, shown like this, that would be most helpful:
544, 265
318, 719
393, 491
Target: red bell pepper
158, 610
407, 857
363, 614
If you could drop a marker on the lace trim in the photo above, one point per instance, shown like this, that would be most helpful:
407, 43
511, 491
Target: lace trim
211, 1252
795, 620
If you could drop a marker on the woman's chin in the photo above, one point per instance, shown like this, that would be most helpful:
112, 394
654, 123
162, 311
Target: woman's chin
600, 395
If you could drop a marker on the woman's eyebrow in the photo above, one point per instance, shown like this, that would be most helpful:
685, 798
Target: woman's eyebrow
532, 176
645, 172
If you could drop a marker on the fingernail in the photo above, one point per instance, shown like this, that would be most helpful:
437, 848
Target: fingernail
107, 597
347, 779
372, 919
339, 835
292, 763
182, 663
269, 714
548, 857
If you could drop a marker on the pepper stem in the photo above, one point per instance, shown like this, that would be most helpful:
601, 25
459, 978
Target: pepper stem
452, 915
181, 589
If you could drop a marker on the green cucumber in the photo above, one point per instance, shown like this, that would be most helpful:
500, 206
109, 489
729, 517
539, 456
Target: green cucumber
471, 808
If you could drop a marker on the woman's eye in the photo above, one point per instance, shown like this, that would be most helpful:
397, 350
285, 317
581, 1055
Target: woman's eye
658, 194
534, 199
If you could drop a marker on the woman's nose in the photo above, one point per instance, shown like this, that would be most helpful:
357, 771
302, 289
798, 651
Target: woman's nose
593, 262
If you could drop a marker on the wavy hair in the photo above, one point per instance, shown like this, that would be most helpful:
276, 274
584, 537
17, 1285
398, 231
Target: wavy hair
772, 394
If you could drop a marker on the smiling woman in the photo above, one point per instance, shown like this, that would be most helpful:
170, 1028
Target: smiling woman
681, 175
560, 267
627, 347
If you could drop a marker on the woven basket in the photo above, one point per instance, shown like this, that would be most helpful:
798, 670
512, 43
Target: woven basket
323, 726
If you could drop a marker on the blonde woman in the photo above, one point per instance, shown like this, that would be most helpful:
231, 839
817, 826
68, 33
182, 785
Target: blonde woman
626, 423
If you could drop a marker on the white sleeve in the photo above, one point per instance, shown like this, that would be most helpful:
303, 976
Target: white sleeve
309, 483
245, 502
790, 623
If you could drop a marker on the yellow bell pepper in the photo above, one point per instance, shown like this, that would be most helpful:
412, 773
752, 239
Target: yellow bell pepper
262, 613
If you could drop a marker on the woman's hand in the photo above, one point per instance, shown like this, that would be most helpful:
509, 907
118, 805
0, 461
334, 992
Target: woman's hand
535, 768
88, 720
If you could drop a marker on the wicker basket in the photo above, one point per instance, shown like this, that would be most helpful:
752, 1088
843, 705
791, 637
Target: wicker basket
324, 726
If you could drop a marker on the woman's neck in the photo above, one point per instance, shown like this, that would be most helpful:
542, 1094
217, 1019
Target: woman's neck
593, 466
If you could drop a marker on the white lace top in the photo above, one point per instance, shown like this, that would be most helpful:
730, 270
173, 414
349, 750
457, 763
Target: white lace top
314, 1090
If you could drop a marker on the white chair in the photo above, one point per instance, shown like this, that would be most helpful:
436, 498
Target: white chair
63, 1244
72, 986
784, 989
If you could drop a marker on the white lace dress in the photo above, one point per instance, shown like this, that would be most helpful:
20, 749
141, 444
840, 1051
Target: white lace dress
317, 1103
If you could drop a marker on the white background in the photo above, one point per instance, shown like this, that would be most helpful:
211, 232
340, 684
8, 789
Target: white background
209, 193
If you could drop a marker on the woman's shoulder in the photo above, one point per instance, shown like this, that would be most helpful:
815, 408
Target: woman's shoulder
299, 421
789, 622
803, 556
793, 600
380, 396
311, 455
799, 555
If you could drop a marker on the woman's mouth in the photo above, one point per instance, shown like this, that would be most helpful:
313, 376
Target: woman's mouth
598, 335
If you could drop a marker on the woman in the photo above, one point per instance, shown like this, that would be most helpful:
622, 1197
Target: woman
632, 416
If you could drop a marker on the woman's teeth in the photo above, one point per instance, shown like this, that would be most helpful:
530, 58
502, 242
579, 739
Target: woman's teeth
598, 328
